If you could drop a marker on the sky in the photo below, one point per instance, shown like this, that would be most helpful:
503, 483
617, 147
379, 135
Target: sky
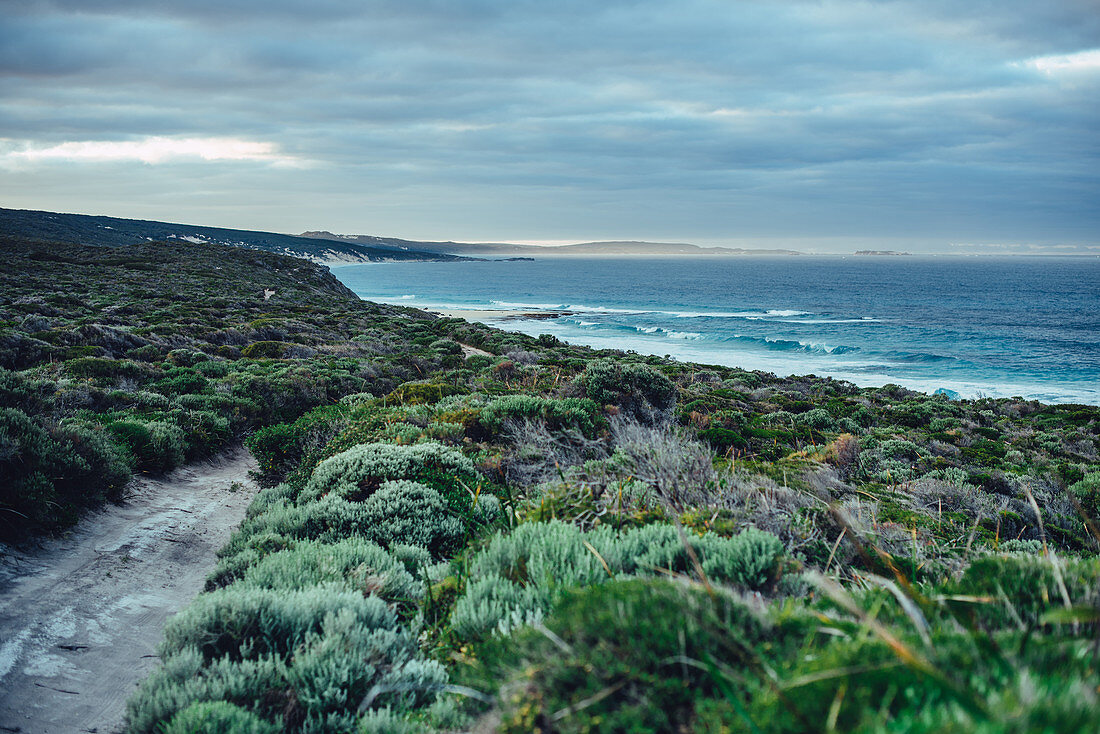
927, 125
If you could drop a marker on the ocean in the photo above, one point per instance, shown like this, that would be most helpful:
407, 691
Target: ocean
1000, 327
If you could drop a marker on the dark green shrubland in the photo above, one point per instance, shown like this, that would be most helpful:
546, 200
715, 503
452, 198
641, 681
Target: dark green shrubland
50, 472
140, 347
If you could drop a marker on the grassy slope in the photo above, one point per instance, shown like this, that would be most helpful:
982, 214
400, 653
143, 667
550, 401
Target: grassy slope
940, 608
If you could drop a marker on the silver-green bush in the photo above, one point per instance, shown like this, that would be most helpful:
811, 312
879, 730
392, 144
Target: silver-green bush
517, 578
355, 563
410, 513
240, 620
221, 717
359, 471
330, 519
319, 686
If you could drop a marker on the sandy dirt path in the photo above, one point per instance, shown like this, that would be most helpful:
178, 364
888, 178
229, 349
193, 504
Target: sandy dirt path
80, 616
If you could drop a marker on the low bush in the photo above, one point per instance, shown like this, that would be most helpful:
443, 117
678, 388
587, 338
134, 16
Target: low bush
157, 446
518, 577
422, 393
843, 454
626, 656
576, 413
358, 472
146, 353
817, 418
246, 621
206, 432
355, 563
409, 513
345, 647
181, 381
219, 716
283, 447
1087, 493
1023, 586
96, 367
328, 520
49, 472
640, 391
264, 350
268, 497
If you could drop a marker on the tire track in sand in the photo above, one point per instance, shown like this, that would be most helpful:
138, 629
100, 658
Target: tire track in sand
81, 615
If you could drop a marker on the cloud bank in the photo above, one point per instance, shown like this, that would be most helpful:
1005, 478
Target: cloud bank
918, 123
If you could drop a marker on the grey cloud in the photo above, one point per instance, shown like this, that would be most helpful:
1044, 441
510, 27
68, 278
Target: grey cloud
728, 116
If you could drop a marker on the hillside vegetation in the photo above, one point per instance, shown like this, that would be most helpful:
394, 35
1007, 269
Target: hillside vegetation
84, 229
464, 528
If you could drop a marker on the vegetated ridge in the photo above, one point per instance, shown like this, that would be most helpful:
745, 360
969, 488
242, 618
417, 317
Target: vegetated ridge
464, 528
114, 232
583, 249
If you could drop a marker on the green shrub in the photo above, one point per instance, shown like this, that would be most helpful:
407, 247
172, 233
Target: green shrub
110, 465
356, 399
818, 419
359, 471
748, 559
640, 391
329, 519
518, 576
577, 413
157, 446
264, 350
446, 346
280, 494
626, 656
181, 381
1023, 586
415, 558
283, 447
1016, 682
409, 513
340, 654
244, 551
187, 357
213, 369
185, 678
480, 362
1087, 493
206, 432
221, 717
147, 353
422, 393
277, 451
355, 563
49, 472
246, 621
96, 367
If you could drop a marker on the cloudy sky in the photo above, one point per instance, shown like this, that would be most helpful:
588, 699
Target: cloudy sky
931, 124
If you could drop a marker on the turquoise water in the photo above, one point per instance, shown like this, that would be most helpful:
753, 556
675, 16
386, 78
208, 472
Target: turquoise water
990, 326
